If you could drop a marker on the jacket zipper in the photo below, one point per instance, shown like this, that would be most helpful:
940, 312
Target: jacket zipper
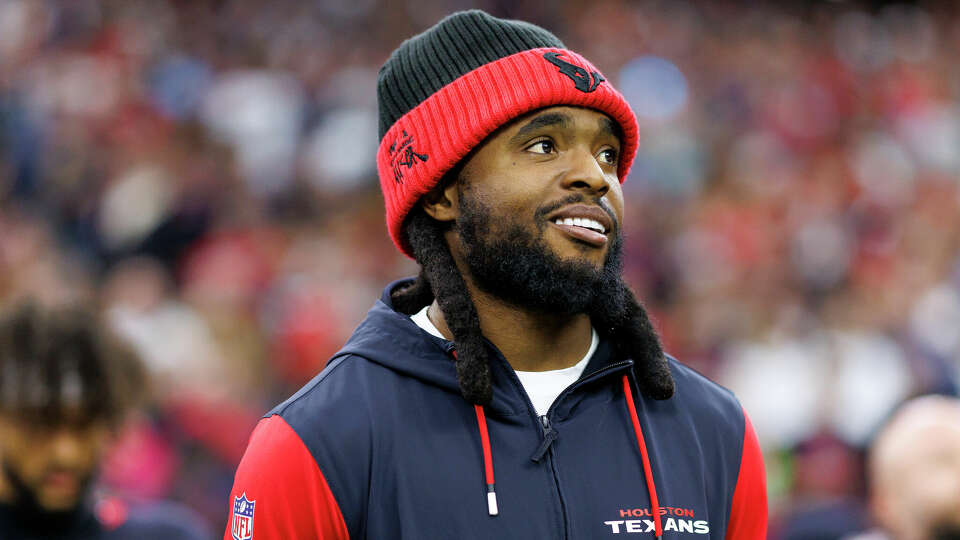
549, 433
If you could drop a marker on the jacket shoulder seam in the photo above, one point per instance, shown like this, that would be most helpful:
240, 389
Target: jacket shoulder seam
332, 366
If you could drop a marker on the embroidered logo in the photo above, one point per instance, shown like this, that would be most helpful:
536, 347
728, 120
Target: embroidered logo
680, 520
585, 82
403, 155
241, 522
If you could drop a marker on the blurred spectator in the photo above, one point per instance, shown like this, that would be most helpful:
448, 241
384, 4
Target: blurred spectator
65, 390
915, 473
202, 171
828, 480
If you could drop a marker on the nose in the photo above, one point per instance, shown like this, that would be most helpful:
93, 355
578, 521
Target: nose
585, 173
67, 447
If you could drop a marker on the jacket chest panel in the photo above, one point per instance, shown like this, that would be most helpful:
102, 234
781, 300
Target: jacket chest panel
600, 465
430, 480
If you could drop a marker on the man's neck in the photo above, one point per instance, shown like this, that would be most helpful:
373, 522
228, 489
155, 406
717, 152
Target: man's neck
530, 341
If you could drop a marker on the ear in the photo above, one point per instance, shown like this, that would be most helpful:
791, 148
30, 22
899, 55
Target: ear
442, 202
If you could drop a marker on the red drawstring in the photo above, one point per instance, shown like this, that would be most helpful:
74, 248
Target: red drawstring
647, 471
487, 457
487, 461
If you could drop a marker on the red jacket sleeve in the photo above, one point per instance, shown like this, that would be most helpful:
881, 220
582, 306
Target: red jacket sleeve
748, 513
279, 492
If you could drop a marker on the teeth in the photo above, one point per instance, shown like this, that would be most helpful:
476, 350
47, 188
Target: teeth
582, 222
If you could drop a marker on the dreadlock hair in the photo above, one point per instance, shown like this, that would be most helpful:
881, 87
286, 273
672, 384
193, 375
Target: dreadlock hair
440, 279
618, 315
615, 312
61, 367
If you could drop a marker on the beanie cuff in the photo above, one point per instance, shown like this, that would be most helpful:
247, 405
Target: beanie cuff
430, 139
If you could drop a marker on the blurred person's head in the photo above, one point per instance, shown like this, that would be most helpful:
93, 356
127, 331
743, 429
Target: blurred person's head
136, 283
914, 469
501, 158
65, 386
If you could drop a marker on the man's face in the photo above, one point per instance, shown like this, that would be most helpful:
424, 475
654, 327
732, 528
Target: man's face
52, 465
930, 486
917, 486
539, 209
526, 173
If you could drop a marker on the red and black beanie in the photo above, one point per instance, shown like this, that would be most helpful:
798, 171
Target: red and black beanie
442, 92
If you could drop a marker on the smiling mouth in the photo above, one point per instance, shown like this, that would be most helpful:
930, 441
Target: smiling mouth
585, 223
586, 231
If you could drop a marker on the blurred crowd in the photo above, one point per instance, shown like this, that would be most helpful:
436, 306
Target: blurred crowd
204, 173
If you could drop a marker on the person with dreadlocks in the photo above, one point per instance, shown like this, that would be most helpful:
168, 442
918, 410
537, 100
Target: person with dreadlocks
516, 388
65, 388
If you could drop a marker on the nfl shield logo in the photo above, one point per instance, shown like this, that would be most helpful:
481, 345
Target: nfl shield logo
241, 524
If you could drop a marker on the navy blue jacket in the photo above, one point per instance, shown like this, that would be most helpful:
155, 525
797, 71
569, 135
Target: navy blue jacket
381, 444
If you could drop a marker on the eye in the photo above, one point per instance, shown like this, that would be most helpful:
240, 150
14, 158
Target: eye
608, 156
541, 147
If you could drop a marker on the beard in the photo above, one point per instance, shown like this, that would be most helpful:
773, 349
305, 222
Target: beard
32, 515
517, 266
946, 531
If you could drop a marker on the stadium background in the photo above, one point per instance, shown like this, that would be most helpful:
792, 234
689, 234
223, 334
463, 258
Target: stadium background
204, 173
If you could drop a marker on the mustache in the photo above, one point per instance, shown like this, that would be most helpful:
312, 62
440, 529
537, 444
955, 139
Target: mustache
546, 209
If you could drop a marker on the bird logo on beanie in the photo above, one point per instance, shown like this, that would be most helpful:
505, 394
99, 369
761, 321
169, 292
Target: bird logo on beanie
581, 78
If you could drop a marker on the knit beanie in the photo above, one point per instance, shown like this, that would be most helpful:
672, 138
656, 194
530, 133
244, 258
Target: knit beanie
442, 92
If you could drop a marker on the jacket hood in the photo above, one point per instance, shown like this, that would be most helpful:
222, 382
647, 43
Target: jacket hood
391, 339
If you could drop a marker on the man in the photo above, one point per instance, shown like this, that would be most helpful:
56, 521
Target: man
65, 387
914, 469
515, 389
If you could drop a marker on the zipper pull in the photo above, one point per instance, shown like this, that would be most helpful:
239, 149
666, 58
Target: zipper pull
549, 435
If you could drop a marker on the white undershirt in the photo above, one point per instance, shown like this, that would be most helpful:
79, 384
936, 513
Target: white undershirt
542, 387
